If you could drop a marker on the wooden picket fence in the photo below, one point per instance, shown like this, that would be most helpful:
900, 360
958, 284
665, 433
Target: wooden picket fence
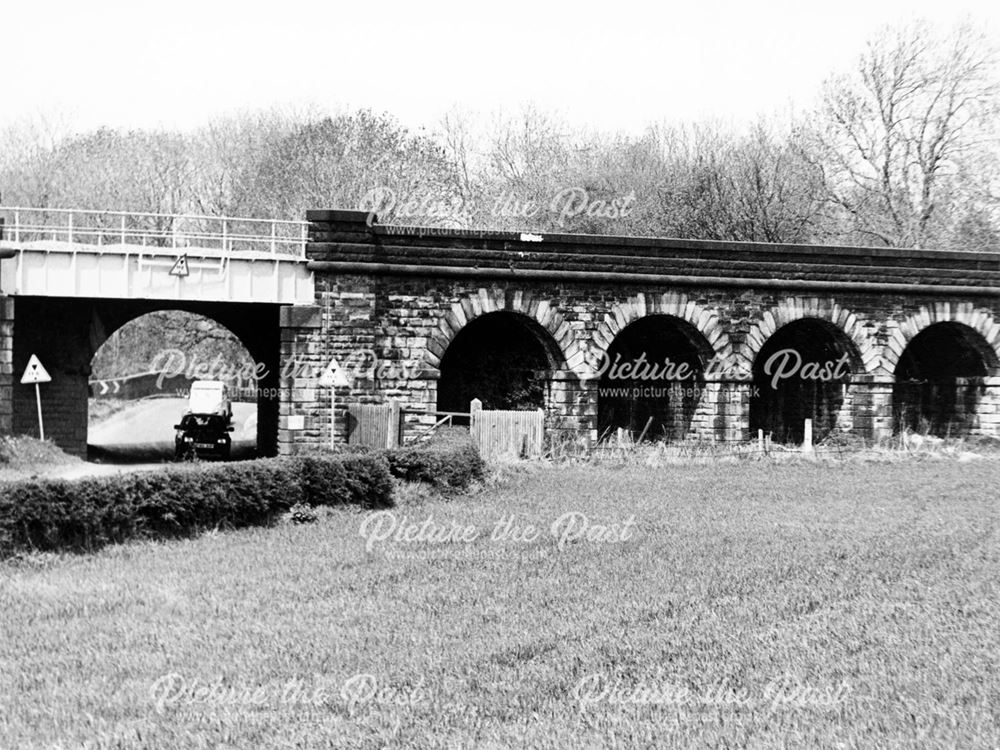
495, 432
507, 432
374, 425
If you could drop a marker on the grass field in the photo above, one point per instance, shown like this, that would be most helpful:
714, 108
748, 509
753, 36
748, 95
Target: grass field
744, 604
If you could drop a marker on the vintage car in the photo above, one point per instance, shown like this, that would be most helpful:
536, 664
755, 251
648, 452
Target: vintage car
203, 436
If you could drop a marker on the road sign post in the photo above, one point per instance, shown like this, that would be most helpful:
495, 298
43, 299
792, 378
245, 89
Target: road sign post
36, 374
38, 403
334, 377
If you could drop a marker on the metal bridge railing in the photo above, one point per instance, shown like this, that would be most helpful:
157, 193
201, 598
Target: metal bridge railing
23, 225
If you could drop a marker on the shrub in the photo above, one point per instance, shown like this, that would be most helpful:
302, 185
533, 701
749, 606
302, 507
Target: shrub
300, 513
845, 441
337, 478
88, 513
449, 459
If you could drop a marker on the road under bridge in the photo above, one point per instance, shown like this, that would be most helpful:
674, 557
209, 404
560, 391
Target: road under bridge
668, 339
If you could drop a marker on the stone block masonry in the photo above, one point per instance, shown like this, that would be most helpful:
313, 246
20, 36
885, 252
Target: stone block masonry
394, 304
400, 297
6, 364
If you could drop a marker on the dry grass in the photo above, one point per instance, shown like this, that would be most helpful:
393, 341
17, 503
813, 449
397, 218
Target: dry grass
23, 456
904, 447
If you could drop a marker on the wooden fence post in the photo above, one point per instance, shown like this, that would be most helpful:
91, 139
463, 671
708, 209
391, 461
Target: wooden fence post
807, 437
392, 433
475, 421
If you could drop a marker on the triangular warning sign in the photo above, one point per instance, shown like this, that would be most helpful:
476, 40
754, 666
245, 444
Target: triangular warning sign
180, 267
35, 373
333, 375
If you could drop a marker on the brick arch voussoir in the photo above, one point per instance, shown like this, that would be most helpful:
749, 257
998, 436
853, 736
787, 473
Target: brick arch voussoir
979, 320
474, 305
676, 304
801, 308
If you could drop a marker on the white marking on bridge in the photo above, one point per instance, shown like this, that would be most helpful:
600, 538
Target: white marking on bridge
111, 254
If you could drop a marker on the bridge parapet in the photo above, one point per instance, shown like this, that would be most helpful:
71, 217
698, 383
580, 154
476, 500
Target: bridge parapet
351, 242
73, 253
24, 226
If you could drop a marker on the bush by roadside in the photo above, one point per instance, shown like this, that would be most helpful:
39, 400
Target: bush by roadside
448, 460
89, 513
343, 478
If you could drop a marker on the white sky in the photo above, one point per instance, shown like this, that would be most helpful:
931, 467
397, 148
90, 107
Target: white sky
615, 65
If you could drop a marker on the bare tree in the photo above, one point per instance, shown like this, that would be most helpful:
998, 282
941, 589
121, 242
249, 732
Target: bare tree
894, 136
758, 186
338, 161
137, 345
229, 153
27, 149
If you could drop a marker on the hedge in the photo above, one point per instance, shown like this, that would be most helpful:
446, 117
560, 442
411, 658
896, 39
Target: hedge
449, 459
177, 501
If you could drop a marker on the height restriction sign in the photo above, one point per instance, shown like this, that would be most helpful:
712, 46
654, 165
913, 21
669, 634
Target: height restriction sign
34, 374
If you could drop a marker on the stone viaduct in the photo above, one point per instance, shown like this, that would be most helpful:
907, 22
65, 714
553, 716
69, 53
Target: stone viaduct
916, 333
884, 339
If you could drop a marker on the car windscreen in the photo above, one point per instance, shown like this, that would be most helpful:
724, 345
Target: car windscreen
202, 422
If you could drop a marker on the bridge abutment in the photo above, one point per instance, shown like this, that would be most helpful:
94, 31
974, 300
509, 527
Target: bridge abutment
304, 412
988, 411
65, 334
571, 409
59, 333
6, 365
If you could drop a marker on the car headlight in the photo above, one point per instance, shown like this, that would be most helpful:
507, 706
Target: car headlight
188, 439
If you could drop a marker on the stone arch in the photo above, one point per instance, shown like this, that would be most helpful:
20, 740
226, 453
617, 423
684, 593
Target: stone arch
168, 373
979, 320
793, 309
66, 333
675, 304
563, 349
